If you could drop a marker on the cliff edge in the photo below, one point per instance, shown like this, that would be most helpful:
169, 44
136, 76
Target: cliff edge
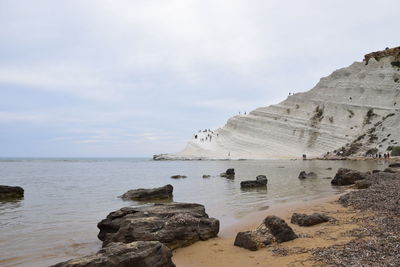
351, 111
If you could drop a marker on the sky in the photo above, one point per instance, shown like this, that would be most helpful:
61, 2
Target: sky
119, 78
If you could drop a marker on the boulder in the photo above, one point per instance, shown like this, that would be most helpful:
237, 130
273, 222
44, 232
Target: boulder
163, 192
206, 176
178, 176
279, 229
174, 224
362, 184
261, 180
10, 192
308, 220
138, 254
395, 165
304, 175
272, 229
347, 177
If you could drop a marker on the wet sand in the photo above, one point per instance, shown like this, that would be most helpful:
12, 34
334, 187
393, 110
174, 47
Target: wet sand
221, 251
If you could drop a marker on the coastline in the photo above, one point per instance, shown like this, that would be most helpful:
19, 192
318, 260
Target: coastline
220, 251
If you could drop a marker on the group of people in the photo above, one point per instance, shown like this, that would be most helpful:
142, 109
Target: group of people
379, 156
208, 137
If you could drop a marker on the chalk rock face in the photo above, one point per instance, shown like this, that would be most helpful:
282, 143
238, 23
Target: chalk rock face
138, 254
174, 224
272, 229
149, 194
357, 105
10, 192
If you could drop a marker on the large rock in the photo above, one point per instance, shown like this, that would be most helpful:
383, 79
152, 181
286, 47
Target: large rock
163, 192
272, 229
261, 181
174, 224
178, 176
138, 254
304, 175
10, 192
308, 220
347, 177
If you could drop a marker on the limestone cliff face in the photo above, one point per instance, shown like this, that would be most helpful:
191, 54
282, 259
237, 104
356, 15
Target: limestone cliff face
350, 111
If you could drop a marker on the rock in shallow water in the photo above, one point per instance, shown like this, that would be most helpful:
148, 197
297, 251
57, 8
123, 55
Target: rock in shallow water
138, 254
148, 194
174, 224
261, 181
272, 229
178, 176
347, 177
304, 175
10, 192
230, 173
308, 220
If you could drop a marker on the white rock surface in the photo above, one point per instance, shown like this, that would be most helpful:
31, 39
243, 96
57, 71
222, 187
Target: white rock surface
323, 119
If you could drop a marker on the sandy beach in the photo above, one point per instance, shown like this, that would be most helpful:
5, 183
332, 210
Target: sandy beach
221, 251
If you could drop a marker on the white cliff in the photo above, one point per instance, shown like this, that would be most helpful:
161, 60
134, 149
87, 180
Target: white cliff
357, 105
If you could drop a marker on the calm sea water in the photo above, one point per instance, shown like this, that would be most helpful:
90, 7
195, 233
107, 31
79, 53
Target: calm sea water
66, 198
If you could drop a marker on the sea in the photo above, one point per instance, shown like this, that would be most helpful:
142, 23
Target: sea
65, 198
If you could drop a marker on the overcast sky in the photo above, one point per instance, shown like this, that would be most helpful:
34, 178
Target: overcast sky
134, 78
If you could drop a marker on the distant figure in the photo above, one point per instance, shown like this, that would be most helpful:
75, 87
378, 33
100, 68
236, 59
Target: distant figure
229, 154
195, 137
380, 156
289, 93
245, 113
304, 156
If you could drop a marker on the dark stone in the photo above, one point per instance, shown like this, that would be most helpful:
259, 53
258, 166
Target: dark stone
230, 173
279, 229
389, 170
395, 165
206, 176
375, 171
253, 240
174, 224
347, 177
163, 192
138, 254
362, 184
261, 181
178, 176
10, 192
329, 168
308, 220
304, 175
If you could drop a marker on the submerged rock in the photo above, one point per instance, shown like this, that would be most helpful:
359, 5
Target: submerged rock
138, 254
10, 192
206, 176
272, 229
347, 177
308, 220
174, 224
178, 176
163, 192
230, 173
304, 175
261, 180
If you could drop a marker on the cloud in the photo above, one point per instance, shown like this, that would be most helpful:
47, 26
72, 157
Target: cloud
128, 75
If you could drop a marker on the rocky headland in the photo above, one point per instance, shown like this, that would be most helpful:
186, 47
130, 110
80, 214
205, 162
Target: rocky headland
352, 112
